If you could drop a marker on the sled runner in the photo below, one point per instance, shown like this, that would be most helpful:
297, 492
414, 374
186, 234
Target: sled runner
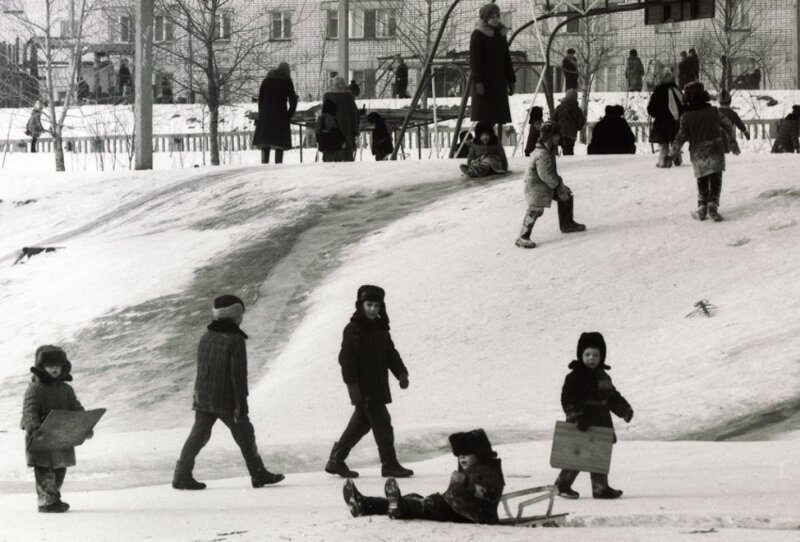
588, 451
531, 496
65, 428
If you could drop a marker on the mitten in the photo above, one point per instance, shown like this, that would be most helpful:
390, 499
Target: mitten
628, 416
479, 89
747, 136
583, 423
404, 382
355, 393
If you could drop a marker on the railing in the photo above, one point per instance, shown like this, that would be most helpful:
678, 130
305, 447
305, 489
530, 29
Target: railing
242, 140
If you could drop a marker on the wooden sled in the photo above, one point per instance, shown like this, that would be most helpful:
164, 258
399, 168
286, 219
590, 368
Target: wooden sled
541, 493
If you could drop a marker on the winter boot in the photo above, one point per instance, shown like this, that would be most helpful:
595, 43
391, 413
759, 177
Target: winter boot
465, 170
601, 489
568, 493
184, 480
713, 212
360, 505
564, 484
390, 466
522, 242
336, 464
701, 213
392, 492
565, 221
56, 508
265, 477
524, 239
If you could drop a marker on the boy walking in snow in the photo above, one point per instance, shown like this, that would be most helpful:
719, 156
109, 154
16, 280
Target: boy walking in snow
702, 126
48, 391
486, 155
588, 398
543, 184
472, 496
366, 357
220, 393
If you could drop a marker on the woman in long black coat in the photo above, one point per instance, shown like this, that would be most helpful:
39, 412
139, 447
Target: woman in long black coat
272, 127
492, 73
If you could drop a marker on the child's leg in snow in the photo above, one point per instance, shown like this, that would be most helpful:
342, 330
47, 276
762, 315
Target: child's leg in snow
703, 190
714, 188
566, 478
198, 437
663, 155
245, 436
357, 427
47, 485
531, 215
278, 156
479, 169
435, 508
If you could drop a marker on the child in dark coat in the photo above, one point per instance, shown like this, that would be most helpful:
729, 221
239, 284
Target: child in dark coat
486, 155
382, 145
472, 496
588, 398
330, 139
48, 391
366, 357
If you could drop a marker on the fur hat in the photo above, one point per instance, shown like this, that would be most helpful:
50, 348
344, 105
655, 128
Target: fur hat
48, 354
485, 128
228, 307
724, 97
548, 130
592, 339
472, 442
487, 11
695, 93
370, 292
618, 110
570, 51
537, 113
609, 110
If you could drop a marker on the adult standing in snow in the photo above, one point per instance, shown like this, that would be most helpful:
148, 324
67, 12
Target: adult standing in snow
702, 125
570, 68
788, 130
366, 357
34, 127
665, 107
124, 78
220, 393
401, 79
570, 117
694, 66
277, 102
612, 135
634, 72
346, 114
491, 68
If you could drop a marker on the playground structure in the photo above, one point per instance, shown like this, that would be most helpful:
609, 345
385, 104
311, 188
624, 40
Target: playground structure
656, 11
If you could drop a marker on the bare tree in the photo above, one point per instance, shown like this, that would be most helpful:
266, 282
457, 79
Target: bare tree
732, 39
42, 21
225, 52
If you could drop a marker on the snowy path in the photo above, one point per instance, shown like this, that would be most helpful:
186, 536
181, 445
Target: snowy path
671, 490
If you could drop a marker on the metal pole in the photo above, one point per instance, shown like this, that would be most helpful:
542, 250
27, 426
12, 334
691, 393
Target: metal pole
143, 89
454, 147
344, 39
435, 120
548, 89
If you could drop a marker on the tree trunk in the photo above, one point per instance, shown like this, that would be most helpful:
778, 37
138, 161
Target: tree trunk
213, 128
58, 149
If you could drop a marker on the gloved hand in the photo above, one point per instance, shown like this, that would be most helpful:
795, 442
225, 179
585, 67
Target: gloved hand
355, 394
404, 382
89, 435
628, 416
511, 87
747, 136
479, 90
583, 423
563, 193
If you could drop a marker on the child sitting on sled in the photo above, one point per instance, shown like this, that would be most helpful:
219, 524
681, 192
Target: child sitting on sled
473, 494
588, 398
48, 391
486, 155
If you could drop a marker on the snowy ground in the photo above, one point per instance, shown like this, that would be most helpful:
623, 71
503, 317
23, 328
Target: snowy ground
486, 329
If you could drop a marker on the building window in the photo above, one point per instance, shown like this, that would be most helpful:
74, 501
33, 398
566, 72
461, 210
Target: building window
69, 30
163, 29
607, 79
125, 30
222, 26
281, 25
332, 25
740, 14
386, 23
356, 23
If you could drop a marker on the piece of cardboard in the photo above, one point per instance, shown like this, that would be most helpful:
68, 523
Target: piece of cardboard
588, 451
64, 429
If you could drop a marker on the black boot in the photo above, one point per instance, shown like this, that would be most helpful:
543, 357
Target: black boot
601, 489
564, 484
264, 477
183, 479
336, 464
390, 466
393, 496
56, 508
565, 220
360, 505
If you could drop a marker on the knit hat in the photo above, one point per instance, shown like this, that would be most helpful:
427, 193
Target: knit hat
592, 339
695, 93
228, 307
339, 84
724, 97
472, 442
487, 11
548, 130
537, 113
283, 68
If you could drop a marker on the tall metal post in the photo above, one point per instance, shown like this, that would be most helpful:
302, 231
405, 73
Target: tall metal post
344, 39
143, 98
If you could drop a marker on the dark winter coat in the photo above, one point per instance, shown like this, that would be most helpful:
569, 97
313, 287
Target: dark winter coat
684, 72
124, 77
43, 395
329, 136
701, 125
788, 138
694, 68
665, 108
733, 117
34, 127
589, 394
490, 65
476, 497
570, 117
542, 181
346, 111
272, 127
634, 73
367, 356
401, 77
221, 384
381, 138
570, 69
612, 135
